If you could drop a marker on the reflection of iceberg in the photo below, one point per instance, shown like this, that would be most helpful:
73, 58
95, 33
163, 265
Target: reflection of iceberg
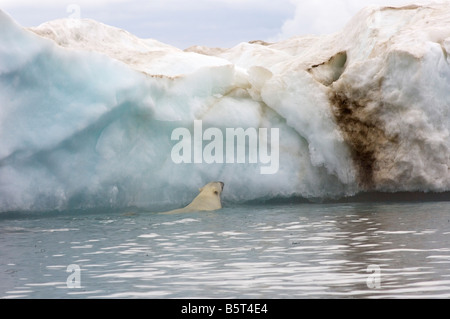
87, 111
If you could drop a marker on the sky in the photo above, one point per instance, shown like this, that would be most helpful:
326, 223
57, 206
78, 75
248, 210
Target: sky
214, 23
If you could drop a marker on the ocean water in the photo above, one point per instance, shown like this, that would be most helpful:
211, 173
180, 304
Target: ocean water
350, 250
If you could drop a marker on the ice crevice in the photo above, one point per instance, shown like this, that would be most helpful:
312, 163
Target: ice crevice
331, 70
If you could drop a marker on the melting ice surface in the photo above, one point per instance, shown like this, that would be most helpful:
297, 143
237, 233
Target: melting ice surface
87, 112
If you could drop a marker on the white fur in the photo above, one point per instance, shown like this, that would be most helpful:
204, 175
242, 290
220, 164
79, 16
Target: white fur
207, 200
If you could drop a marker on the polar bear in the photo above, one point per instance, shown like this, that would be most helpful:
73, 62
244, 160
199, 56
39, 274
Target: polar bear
207, 200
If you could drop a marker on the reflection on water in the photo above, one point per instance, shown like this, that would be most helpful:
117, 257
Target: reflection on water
363, 250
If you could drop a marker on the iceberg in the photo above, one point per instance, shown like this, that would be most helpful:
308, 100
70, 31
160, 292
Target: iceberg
87, 112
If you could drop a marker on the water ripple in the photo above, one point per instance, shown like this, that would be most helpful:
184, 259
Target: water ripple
305, 251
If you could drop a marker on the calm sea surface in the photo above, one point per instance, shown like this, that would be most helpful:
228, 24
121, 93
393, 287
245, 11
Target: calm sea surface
360, 250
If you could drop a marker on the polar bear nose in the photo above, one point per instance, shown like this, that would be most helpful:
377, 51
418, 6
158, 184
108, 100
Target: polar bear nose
222, 184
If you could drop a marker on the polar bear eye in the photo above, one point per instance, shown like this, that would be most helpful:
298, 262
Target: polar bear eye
216, 192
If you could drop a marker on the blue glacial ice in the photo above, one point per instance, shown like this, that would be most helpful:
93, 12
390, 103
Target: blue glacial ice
87, 112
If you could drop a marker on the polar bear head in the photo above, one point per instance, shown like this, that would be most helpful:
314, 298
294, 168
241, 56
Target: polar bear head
213, 188
209, 197
207, 200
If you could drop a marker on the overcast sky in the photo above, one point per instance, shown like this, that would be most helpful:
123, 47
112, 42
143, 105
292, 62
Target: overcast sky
182, 23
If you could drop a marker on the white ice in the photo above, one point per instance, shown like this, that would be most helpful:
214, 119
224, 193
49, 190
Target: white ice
87, 111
